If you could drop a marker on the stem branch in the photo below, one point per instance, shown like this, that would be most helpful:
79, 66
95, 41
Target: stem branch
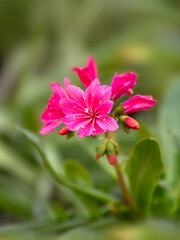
125, 190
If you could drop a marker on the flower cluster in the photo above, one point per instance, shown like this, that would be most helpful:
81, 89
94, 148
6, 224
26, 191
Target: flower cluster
90, 112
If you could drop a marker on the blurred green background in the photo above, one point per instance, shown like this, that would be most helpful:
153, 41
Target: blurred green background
40, 42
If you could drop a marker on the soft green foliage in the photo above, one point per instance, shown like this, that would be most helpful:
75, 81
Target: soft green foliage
169, 126
144, 169
58, 190
62, 179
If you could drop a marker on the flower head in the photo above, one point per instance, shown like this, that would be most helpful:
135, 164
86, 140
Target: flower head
88, 73
123, 84
138, 103
88, 111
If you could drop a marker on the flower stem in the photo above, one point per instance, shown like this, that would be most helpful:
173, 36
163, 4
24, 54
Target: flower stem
127, 195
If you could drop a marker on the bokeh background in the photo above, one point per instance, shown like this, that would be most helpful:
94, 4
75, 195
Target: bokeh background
40, 42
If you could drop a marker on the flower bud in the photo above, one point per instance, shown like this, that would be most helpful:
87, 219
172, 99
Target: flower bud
129, 122
63, 131
116, 147
100, 149
111, 159
110, 152
117, 150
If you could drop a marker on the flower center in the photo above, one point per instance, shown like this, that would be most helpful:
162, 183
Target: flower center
92, 113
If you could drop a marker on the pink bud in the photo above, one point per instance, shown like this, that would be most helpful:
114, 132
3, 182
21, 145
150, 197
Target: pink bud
63, 131
131, 123
98, 156
111, 159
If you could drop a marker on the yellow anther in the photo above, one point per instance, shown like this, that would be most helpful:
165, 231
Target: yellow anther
104, 120
74, 117
82, 126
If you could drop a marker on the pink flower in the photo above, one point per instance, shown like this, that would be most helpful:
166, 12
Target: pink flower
137, 103
53, 114
88, 111
123, 84
88, 73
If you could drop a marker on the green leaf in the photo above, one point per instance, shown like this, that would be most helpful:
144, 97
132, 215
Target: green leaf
15, 197
60, 178
162, 202
144, 169
77, 173
169, 118
12, 162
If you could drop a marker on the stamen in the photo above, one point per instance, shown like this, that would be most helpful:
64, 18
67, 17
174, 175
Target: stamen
130, 91
104, 120
82, 126
100, 101
74, 117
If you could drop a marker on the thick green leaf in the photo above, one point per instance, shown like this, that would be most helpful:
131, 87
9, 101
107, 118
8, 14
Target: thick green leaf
169, 118
162, 202
144, 169
60, 178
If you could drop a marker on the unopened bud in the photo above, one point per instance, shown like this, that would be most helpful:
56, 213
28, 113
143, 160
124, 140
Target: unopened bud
116, 147
111, 159
117, 150
130, 122
110, 152
63, 131
100, 149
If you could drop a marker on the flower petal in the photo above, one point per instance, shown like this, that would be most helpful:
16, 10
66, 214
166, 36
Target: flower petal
66, 82
105, 107
86, 129
75, 121
58, 90
138, 103
88, 73
90, 91
107, 123
123, 84
97, 129
52, 114
76, 93
49, 127
70, 106
101, 94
